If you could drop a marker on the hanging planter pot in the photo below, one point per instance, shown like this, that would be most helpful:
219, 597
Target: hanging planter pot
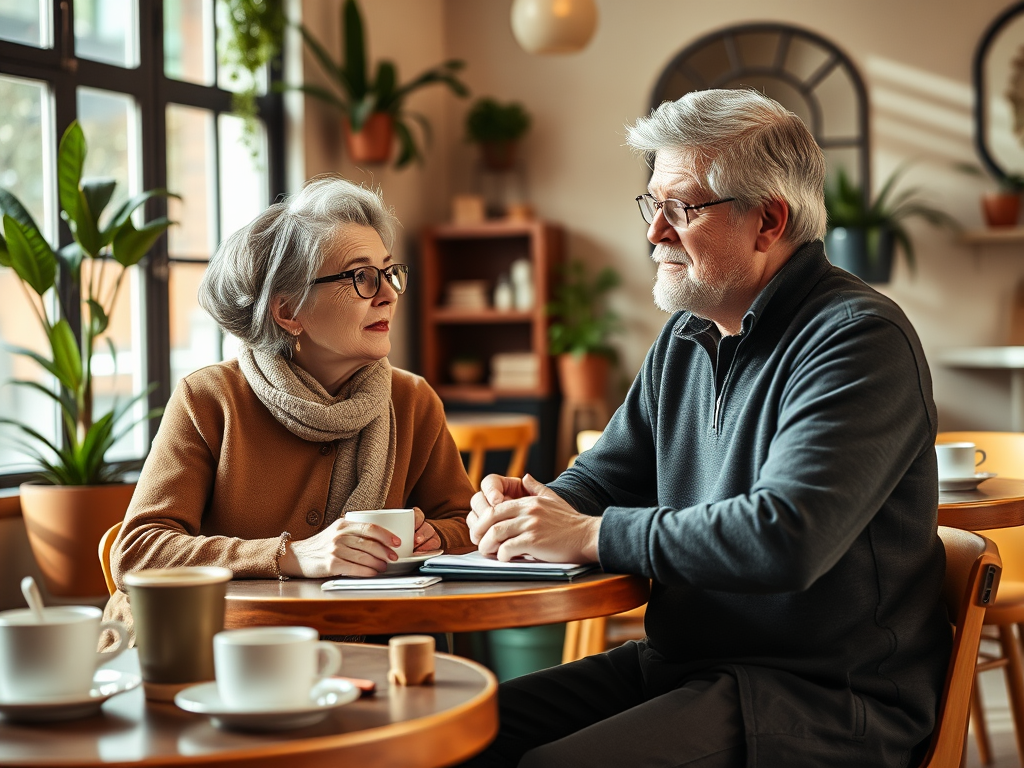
372, 143
864, 252
64, 525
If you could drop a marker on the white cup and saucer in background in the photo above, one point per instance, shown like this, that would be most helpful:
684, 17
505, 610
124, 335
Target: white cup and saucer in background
270, 678
50, 668
402, 523
958, 463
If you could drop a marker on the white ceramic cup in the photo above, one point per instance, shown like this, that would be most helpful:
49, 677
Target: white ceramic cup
263, 668
401, 522
958, 460
56, 659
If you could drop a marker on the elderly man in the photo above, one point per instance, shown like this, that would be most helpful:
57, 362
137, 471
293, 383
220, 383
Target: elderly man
771, 470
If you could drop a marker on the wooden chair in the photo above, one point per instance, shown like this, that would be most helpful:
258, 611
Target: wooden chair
590, 636
969, 586
478, 433
106, 542
1005, 456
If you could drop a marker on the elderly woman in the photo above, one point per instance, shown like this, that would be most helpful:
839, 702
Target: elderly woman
258, 459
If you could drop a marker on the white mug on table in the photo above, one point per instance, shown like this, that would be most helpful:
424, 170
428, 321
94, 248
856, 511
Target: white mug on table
401, 522
958, 460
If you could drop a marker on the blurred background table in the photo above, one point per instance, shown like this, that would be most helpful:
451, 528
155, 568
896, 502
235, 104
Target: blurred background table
415, 727
996, 503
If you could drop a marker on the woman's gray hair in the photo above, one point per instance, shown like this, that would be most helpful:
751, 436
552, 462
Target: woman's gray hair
745, 146
280, 252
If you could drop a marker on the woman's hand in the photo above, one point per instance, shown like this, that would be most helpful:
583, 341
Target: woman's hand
426, 538
343, 549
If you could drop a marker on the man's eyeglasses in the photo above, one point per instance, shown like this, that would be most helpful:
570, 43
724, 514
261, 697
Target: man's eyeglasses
677, 213
367, 280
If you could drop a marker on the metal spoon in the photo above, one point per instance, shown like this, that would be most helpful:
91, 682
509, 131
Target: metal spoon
35, 600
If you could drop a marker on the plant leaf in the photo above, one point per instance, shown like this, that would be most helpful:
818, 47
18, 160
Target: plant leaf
355, 51
408, 150
128, 207
67, 360
324, 59
30, 255
72, 255
98, 319
98, 193
385, 83
324, 95
11, 206
70, 159
85, 227
131, 244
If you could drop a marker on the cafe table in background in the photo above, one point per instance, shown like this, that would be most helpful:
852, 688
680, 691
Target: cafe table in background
995, 503
415, 727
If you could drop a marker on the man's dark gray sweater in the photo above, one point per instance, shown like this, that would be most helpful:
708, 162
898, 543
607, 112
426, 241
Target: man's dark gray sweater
779, 487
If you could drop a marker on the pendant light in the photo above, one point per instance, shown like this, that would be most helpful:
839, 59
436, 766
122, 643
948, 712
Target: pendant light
553, 26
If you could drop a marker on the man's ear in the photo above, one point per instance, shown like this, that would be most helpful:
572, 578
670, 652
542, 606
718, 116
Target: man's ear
774, 217
282, 315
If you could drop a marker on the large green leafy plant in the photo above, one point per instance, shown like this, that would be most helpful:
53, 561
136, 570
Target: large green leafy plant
358, 95
846, 206
80, 458
582, 323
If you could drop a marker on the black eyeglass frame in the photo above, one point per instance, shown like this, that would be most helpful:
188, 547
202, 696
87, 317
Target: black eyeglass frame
382, 274
659, 205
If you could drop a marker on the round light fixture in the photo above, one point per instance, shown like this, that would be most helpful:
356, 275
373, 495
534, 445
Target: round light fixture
553, 26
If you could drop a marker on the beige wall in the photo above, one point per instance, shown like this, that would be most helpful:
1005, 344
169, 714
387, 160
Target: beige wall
915, 56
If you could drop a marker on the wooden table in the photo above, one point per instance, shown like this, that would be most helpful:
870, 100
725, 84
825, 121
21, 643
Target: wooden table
451, 606
418, 727
997, 503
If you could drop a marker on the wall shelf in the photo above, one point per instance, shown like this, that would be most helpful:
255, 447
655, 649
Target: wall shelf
992, 236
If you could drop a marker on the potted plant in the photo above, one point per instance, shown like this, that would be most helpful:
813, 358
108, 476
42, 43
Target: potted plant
579, 333
863, 238
1000, 208
78, 495
497, 128
373, 108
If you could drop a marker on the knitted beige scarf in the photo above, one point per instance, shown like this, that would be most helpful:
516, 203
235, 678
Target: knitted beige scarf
361, 417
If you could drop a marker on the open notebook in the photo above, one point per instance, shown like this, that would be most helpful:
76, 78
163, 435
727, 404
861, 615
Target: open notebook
474, 565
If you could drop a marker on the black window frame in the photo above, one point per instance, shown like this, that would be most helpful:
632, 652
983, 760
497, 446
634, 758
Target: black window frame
153, 91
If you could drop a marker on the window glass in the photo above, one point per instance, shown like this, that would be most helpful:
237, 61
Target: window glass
26, 21
244, 185
26, 154
105, 30
191, 173
195, 338
118, 376
188, 41
110, 123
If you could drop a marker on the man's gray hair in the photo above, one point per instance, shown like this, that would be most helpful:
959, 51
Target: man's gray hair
280, 252
745, 146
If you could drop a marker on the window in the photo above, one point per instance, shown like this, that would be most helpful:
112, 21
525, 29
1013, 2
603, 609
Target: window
153, 116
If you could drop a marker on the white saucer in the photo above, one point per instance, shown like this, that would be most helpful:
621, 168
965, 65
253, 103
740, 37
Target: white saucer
105, 683
204, 699
411, 563
965, 483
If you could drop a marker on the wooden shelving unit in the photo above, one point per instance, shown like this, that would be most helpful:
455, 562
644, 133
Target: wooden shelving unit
992, 236
483, 252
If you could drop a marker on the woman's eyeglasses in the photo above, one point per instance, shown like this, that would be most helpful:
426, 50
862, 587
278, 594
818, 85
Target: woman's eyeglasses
368, 280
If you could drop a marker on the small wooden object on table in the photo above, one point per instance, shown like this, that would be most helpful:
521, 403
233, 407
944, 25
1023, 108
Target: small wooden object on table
412, 660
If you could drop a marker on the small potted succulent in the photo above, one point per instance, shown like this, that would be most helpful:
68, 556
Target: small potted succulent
497, 128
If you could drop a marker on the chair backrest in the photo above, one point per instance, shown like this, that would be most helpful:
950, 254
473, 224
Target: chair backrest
972, 576
478, 433
106, 542
1004, 456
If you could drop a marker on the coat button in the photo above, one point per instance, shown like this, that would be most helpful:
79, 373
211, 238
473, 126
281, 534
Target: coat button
325, 449
313, 517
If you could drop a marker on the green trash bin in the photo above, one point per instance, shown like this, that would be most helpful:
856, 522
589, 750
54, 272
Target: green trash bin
519, 651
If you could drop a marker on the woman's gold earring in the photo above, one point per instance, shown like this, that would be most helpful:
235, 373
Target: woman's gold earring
298, 344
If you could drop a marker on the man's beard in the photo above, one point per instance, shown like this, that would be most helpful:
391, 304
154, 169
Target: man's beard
681, 290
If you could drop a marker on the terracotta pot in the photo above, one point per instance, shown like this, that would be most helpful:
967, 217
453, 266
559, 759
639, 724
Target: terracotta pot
498, 155
1001, 209
372, 144
583, 378
65, 524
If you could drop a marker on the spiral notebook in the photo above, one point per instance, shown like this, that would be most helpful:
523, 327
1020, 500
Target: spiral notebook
475, 565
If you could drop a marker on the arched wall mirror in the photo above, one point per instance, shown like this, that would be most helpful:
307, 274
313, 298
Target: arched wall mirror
801, 70
999, 94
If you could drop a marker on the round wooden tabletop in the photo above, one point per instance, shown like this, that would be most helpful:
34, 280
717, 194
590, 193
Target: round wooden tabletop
418, 727
451, 606
996, 503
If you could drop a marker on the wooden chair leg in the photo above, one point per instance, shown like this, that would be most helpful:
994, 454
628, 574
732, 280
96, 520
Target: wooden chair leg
979, 725
592, 636
1014, 682
571, 647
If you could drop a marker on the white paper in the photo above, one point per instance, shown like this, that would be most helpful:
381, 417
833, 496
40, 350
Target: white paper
393, 582
478, 560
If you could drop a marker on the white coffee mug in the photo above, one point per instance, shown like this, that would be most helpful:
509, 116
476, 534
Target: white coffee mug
958, 460
401, 522
56, 659
263, 668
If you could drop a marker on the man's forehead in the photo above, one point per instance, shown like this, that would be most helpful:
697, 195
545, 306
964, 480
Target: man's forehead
675, 170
